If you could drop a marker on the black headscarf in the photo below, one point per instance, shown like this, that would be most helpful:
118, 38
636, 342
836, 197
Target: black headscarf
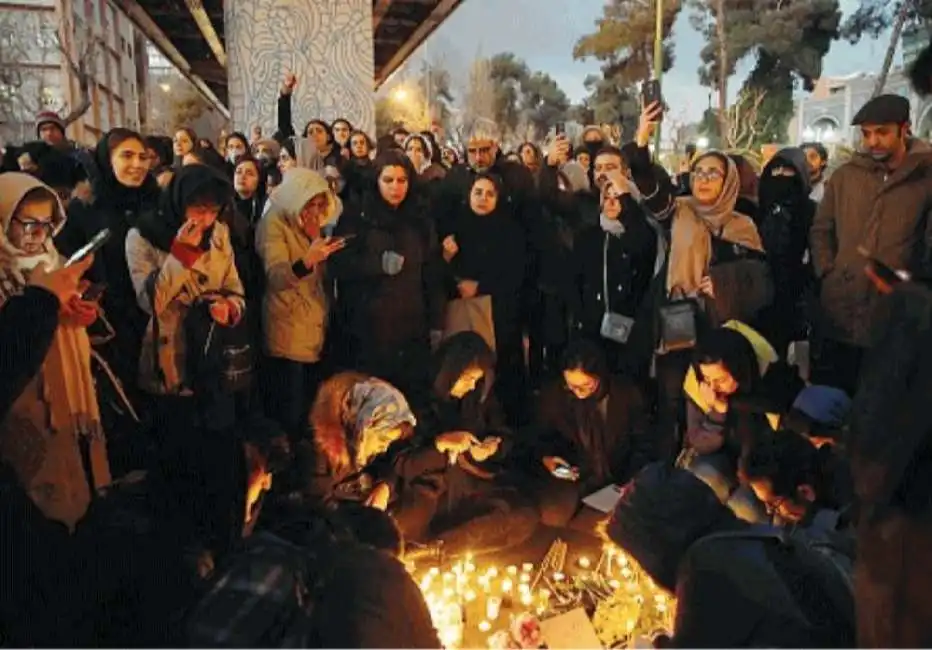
190, 183
108, 190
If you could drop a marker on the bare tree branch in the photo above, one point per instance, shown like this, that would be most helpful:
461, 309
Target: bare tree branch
82, 68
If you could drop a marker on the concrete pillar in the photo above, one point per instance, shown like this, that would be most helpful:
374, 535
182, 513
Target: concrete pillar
327, 43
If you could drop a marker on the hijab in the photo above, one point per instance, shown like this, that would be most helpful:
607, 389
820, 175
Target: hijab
67, 384
108, 191
694, 225
189, 183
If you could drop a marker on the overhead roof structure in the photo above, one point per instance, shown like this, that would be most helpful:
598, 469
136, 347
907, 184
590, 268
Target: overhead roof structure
190, 33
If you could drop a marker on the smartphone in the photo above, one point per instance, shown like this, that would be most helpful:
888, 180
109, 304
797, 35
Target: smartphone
94, 292
565, 472
650, 92
90, 247
560, 128
884, 277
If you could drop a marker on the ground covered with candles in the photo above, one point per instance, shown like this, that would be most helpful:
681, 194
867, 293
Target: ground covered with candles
481, 603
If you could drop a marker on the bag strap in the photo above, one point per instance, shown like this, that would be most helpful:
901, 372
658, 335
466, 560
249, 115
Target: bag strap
608, 305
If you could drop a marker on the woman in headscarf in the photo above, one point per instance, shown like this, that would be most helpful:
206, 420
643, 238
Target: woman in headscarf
486, 253
421, 154
613, 265
297, 305
181, 259
453, 481
716, 257
123, 192
354, 419
389, 280
56, 419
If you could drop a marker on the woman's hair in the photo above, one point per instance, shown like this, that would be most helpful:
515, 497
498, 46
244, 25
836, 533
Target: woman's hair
273, 175
326, 418
322, 123
585, 355
394, 158
436, 154
119, 135
162, 146
747, 175
195, 141
731, 349
456, 355
345, 121
369, 143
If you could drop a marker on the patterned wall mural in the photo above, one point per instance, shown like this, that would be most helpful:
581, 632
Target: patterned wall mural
328, 45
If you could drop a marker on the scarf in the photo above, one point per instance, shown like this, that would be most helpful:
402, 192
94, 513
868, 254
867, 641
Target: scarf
66, 381
375, 408
692, 231
611, 226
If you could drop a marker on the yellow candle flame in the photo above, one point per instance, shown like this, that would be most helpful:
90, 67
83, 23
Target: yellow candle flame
484, 626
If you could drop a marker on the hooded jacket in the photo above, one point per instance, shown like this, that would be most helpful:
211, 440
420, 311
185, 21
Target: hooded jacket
39, 434
166, 287
885, 213
296, 305
736, 586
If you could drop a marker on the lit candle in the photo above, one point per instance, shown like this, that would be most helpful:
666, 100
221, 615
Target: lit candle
448, 592
614, 584
512, 570
525, 577
448, 578
434, 571
484, 626
507, 585
470, 596
492, 608
558, 577
470, 567
526, 599
584, 563
524, 588
527, 567
492, 572
425, 582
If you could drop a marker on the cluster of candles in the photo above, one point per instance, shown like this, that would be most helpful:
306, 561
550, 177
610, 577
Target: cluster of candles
465, 595
467, 603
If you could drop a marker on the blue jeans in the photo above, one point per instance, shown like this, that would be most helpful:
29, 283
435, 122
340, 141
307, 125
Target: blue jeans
717, 471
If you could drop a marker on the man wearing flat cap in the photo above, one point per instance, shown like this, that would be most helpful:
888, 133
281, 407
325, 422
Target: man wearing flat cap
877, 203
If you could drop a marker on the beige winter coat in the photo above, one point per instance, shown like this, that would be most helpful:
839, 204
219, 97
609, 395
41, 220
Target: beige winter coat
175, 290
888, 216
295, 307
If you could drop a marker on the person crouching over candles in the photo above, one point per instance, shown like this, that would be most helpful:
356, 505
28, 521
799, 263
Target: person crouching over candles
453, 487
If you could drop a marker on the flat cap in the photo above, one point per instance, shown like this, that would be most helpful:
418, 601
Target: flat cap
883, 109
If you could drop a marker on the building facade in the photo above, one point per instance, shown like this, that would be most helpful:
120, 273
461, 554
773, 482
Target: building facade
47, 44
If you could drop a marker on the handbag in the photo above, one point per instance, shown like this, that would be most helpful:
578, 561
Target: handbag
470, 315
614, 327
678, 322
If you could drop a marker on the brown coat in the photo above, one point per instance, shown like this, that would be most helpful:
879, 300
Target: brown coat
864, 207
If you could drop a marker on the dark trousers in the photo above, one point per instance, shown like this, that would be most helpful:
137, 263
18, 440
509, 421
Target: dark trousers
290, 389
483, 522
671, 371
837, 364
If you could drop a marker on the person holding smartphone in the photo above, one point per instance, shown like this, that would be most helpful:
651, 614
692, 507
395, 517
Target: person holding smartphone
296, 305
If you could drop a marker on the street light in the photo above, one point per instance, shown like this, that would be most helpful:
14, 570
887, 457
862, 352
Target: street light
166, 88
400, 94
702, 143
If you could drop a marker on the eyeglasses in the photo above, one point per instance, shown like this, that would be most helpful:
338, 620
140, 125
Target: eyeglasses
34, 228
707, 174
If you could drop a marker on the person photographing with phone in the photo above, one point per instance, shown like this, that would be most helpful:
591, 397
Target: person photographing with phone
296, 305
51, 433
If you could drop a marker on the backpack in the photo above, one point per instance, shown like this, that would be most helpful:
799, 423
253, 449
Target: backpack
262, 598
827, 556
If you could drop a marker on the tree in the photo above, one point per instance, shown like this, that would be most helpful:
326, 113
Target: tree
745, 122
788, 37
624, 39
509, 75
478, 112
873, 17
610, 102
32, 50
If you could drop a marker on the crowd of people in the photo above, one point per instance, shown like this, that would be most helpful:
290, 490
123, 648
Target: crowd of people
295, 360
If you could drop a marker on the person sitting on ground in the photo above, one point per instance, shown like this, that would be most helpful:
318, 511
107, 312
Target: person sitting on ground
454, 487
593, 429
